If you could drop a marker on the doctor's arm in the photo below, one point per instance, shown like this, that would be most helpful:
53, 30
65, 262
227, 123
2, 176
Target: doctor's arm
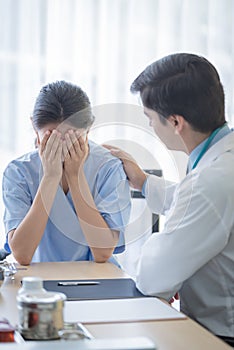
25, 238
193, 234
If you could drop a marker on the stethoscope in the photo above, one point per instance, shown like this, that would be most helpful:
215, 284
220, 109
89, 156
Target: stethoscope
206, 145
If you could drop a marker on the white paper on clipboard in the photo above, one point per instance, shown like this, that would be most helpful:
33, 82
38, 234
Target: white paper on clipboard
119, 310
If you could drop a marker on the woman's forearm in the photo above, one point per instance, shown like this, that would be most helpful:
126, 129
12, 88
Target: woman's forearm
26, 237
100, 238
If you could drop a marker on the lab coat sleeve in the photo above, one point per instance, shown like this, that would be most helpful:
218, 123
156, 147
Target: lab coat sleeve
159, 193
197, 228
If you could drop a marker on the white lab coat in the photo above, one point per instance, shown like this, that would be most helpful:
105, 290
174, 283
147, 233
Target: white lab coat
194, 253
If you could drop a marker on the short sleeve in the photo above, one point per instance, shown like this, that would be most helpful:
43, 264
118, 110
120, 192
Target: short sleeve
16, 197
113, 199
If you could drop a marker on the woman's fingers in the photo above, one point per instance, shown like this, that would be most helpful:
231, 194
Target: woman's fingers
82, 141
52, 144
69, 141
51, 153
44, 141
65, 151
58, 149
75, 142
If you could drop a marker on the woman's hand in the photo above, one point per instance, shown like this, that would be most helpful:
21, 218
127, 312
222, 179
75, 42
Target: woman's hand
134, 173
75, 152
50, 151
100, 238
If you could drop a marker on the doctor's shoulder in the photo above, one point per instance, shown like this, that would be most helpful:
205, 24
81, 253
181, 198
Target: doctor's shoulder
214, 182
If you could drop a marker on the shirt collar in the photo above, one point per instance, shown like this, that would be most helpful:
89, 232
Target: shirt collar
196, 151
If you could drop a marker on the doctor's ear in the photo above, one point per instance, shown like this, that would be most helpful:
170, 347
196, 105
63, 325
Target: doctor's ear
177, 122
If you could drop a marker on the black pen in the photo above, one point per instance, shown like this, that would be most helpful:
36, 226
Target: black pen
78, 283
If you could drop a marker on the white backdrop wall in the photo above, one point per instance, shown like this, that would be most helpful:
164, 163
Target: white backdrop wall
102, 45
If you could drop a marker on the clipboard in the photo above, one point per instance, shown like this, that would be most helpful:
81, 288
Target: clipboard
120, 310
95, 289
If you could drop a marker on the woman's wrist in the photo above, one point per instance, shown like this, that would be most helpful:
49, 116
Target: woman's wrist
51, 179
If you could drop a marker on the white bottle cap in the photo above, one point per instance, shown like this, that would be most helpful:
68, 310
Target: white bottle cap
32, 283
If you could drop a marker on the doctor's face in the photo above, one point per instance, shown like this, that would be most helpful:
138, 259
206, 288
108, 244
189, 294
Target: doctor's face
165, 129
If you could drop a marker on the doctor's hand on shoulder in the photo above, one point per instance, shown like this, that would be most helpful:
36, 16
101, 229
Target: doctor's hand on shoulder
50, 151
135, 174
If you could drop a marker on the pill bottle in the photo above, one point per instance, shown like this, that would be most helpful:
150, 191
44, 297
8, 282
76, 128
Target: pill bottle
40, 311
31, 285
6, 331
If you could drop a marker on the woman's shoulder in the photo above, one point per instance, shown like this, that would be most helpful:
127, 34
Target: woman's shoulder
29, 161
26, 158
101, 164
101, 154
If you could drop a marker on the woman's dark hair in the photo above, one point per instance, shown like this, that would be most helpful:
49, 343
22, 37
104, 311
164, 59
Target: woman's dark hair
62, 101
183, 84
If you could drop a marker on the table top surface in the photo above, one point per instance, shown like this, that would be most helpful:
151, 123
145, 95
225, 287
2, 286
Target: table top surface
179, 334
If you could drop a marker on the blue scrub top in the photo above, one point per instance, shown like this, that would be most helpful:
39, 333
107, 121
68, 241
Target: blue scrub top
63, 239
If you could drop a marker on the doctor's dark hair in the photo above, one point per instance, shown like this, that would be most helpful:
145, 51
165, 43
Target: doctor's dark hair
62, 102
183, 84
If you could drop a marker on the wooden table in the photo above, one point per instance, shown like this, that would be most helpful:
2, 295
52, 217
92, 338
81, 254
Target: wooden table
180, 334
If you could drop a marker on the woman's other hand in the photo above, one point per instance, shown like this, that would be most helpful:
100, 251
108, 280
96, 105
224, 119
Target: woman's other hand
75, 152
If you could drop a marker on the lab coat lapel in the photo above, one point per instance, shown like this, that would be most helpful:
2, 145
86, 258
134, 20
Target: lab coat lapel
224, 145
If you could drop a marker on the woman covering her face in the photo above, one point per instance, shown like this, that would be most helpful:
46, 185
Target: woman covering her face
68, 199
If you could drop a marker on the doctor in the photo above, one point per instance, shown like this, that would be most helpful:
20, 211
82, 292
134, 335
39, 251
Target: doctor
183, 99
69, 198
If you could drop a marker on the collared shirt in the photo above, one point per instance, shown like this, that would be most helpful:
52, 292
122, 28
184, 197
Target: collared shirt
196, 151
63, 239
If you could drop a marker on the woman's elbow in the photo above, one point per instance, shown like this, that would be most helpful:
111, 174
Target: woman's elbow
102, 255
100, 260
20, 253
22, 259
